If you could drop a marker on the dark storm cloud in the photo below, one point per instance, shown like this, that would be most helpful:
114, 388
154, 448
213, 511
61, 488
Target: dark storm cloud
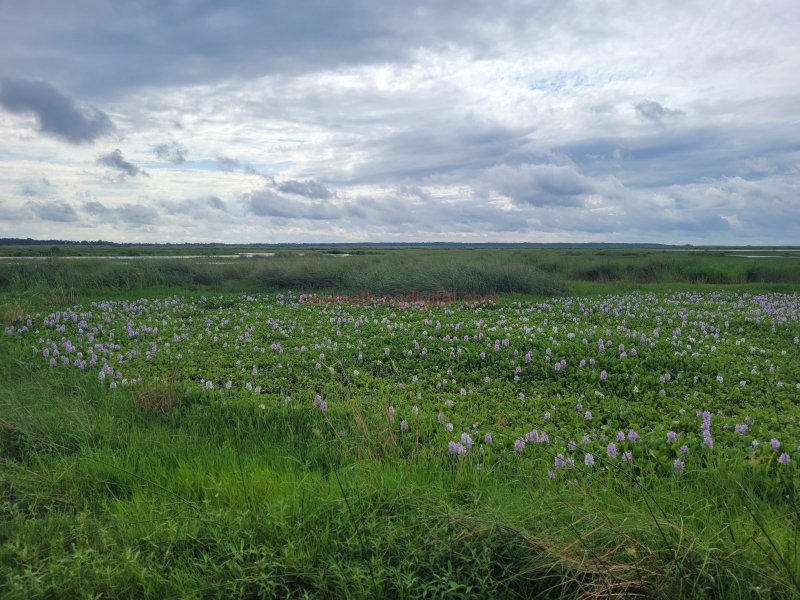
115, 160
60, 212
55, 113
308, 188
656, 113
173, 152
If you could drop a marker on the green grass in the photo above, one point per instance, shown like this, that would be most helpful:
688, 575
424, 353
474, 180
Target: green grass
529, 271
147, 493
144, 493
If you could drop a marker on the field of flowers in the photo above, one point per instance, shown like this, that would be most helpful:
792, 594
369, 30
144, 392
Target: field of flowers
651, 384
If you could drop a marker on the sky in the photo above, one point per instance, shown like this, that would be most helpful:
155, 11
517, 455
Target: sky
671, 122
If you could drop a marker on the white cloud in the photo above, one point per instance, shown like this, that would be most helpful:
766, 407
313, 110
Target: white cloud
502, 122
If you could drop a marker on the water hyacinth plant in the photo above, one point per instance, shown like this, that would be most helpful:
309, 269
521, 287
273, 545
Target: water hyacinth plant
635, 392
450, 361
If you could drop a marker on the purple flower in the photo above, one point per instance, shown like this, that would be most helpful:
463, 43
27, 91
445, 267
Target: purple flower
783, 458
466, 440
684, 450
611, 450
588, 460
774, 443
456, 448
603, 375
403, 425
678, 465
620, 436
671, 436
588, 415
487, 438
519, 445
740, 428
627, 456
558, 462
632, 435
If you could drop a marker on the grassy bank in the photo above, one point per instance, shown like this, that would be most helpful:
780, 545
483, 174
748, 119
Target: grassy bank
149, 494
183, 485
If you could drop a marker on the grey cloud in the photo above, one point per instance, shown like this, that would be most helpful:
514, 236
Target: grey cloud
231, 165
196, 206
308, 188
115, 160
654, 112
266, 203
153, 41
38, 187
138, 214
131, 214
228, 164
539, 184
60, 212
173, 152
55, 113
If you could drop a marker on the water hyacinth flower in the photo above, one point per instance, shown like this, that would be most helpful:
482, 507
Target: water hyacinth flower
456, 448
611, 450
632, 435
678, 465
558, 461
603, 375
519, 444
620, 436
774, 444
588, 460
466, 440
784, 458
671, 436
487, 439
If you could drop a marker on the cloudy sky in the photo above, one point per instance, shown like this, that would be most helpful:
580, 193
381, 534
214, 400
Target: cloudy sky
363, 120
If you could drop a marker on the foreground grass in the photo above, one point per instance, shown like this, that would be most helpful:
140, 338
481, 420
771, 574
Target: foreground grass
147, 493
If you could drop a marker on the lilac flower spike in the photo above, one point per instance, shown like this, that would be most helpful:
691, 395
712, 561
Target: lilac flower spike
611, 450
